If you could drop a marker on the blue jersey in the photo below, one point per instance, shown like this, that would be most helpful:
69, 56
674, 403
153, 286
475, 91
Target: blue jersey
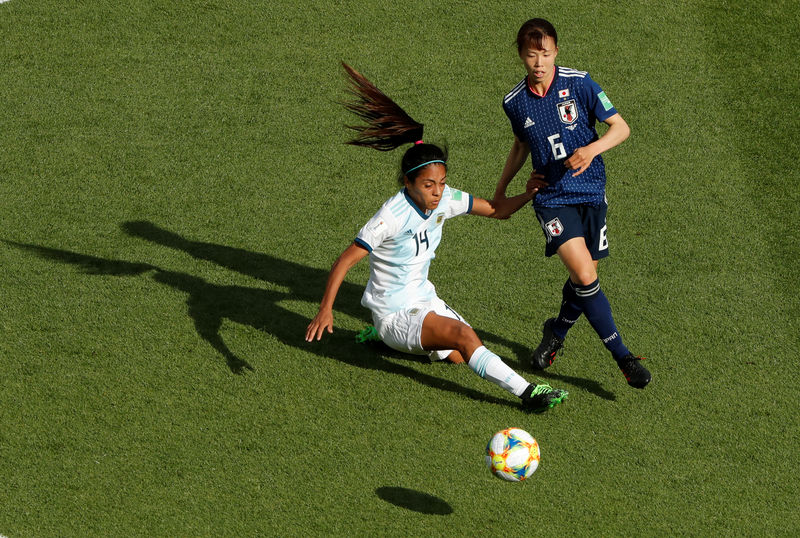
554, 126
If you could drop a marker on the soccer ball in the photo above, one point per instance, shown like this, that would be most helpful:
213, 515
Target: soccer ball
512, 454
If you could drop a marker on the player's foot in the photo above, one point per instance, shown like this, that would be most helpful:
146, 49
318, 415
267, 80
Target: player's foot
368, 334
545, 354
637, 375
540, 398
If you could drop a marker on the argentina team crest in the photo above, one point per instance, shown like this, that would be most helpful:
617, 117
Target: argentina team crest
568, 111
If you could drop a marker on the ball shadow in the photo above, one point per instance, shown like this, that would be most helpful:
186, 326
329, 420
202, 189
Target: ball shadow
413, 500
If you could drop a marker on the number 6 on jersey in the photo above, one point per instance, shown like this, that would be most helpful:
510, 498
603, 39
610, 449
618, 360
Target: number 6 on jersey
559, 152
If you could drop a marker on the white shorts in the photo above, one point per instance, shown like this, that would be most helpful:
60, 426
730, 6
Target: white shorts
402, 330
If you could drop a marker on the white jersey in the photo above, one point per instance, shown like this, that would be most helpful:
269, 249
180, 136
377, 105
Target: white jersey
402, 240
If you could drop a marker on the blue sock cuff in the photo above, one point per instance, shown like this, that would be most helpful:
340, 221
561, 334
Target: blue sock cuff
587, 290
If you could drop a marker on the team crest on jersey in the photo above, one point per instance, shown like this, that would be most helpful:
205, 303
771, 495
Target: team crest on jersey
554, 227
440, 218
568, 111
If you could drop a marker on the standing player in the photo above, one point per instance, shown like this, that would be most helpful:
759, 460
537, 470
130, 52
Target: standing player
401, 239
553, 111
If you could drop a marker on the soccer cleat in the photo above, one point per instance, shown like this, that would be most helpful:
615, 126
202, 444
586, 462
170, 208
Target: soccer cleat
540, 398
368, 334
637, 375
545, 354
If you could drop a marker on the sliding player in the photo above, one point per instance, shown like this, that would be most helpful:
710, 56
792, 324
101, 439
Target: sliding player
400, 240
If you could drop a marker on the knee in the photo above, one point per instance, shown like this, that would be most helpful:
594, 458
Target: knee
467, 339
440, 332
457, 335
584, 277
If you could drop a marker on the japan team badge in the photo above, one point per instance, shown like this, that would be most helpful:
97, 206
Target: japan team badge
567, 111
553, 227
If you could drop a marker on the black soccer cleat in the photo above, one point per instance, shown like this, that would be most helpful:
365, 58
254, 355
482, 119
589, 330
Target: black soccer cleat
637, 375
545, 354
540, 398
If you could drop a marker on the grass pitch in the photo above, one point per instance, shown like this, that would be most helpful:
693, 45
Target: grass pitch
174, 187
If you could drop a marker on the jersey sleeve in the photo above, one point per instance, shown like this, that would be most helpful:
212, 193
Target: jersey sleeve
515, 125
596, 99
460, 203
375, 231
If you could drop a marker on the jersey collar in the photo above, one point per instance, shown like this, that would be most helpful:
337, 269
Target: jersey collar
552, 82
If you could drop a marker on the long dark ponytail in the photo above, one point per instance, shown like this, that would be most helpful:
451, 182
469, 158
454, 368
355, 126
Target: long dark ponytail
388, 126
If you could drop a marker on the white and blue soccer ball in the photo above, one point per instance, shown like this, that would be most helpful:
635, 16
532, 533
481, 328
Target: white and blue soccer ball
512, 454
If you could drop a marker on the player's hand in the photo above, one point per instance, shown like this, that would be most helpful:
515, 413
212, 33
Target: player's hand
580, 160
322, 321
535, 183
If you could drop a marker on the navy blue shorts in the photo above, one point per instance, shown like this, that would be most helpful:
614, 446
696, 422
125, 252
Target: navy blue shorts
560, 224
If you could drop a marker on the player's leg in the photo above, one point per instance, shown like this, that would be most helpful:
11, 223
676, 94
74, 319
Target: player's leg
442, 332
594, 304
559, 226
575, 256
456, 357
402, 331
569, 312
452, 355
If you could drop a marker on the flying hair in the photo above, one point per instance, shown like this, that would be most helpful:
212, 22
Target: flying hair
387, 126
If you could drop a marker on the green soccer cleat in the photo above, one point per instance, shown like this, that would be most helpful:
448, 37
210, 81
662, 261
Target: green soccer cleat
368, 334
540, 398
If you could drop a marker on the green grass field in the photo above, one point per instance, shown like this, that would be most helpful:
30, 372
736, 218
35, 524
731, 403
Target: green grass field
174, 188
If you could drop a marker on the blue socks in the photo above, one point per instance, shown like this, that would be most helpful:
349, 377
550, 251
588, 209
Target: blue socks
592, 302
569, 313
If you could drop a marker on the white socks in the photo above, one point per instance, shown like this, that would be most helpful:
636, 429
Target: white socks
492, 368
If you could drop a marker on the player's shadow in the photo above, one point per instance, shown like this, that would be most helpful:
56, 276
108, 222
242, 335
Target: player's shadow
589, 385
210, 304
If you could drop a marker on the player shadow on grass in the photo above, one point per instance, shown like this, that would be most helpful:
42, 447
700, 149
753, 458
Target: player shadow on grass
209, 304
589, 385
305, 283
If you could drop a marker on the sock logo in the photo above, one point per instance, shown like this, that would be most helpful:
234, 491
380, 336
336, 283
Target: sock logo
610, 338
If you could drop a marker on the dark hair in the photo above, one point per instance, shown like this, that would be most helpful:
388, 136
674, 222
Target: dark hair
417, 155
388, 126
533, 33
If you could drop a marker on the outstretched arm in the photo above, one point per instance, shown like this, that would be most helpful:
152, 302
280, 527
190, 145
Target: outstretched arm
324, 319
502, 208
